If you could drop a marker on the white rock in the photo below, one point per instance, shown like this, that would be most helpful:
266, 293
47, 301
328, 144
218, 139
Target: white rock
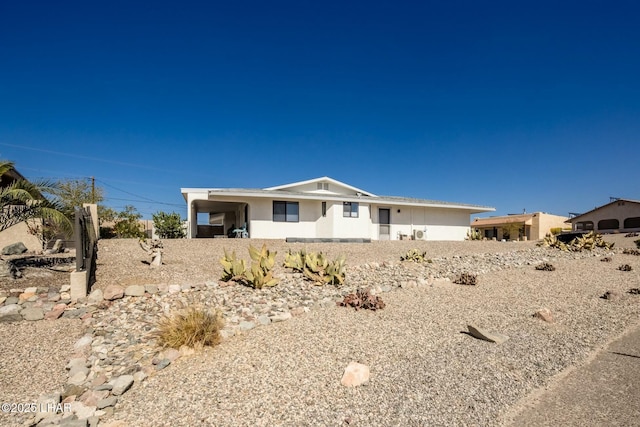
355, 374
121, 384
280, 317
134, 290
82, 412
96, 296
83, 342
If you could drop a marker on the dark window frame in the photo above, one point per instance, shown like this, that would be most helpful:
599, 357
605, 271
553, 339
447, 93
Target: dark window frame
284, 216
324, 209
350, 212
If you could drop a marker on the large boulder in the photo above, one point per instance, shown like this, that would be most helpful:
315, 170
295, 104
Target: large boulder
14, 249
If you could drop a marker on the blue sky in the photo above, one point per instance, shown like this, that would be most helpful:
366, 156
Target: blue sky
516, 105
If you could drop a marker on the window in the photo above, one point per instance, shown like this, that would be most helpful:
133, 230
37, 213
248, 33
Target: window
285, 211
350, 209
584, 225
632, 222
608, 224
324, 208
322, 186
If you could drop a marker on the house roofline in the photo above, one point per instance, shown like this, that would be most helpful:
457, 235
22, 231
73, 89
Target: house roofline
290, 195
572, 220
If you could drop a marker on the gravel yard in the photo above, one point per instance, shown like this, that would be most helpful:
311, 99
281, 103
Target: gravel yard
425, 370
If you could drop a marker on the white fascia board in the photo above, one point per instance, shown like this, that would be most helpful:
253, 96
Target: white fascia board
472, 209
364, 199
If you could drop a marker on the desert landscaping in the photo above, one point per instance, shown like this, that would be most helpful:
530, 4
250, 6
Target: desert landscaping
284, 349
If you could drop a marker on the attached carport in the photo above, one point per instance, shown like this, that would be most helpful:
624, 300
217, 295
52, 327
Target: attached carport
211, 217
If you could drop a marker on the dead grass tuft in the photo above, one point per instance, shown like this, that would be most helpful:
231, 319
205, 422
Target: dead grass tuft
193, 326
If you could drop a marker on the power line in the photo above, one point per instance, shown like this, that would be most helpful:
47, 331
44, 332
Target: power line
96, 159
136, 195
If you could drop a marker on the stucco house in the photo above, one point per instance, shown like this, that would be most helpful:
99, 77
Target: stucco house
323, 208
620, 215
526, 226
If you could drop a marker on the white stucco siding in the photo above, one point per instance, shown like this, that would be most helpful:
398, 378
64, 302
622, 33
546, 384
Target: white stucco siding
447, 224
324, 225
439, 224
349, 227
262, 225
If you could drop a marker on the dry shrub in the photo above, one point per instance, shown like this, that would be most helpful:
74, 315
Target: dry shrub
606, 259
625, 267
362, 299
193, 326
466, 279
545, 266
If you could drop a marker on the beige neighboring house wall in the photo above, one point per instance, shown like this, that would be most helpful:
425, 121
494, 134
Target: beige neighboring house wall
20, 233
622, 215
533, 226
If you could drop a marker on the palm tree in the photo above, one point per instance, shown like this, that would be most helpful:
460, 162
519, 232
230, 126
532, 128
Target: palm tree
22, 200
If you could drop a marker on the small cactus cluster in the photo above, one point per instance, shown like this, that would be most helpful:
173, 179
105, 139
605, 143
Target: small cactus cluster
258, 276
474, 235
606, 259
415, 256
586, 242
631, 252
362, 299
316, 267
545, 266
466, 279
625, 267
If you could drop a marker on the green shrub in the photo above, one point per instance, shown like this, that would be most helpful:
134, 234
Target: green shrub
193, 327
415, 256
168, 226
474, 235
316, 267
556, 230
258, 276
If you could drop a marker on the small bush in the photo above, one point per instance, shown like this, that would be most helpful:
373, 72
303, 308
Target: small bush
415, 256
637, 242
631, 252
634, 291
556, 230
362, 299
631, 235
625, 267
193, 326
466, 279
606, 259
545, 266
474, 235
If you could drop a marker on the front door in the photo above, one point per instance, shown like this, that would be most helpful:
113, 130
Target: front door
384, 219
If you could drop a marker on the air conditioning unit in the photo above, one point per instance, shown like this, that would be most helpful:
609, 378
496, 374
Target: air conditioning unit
419, 235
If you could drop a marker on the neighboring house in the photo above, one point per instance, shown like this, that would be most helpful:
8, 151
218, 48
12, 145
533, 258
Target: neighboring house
18, 232
532, 226
620, 215
323, 208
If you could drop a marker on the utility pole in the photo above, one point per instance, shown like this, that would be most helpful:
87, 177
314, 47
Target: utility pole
93, 190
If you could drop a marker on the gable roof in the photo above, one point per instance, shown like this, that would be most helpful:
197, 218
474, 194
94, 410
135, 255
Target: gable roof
577, 217
321, 179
